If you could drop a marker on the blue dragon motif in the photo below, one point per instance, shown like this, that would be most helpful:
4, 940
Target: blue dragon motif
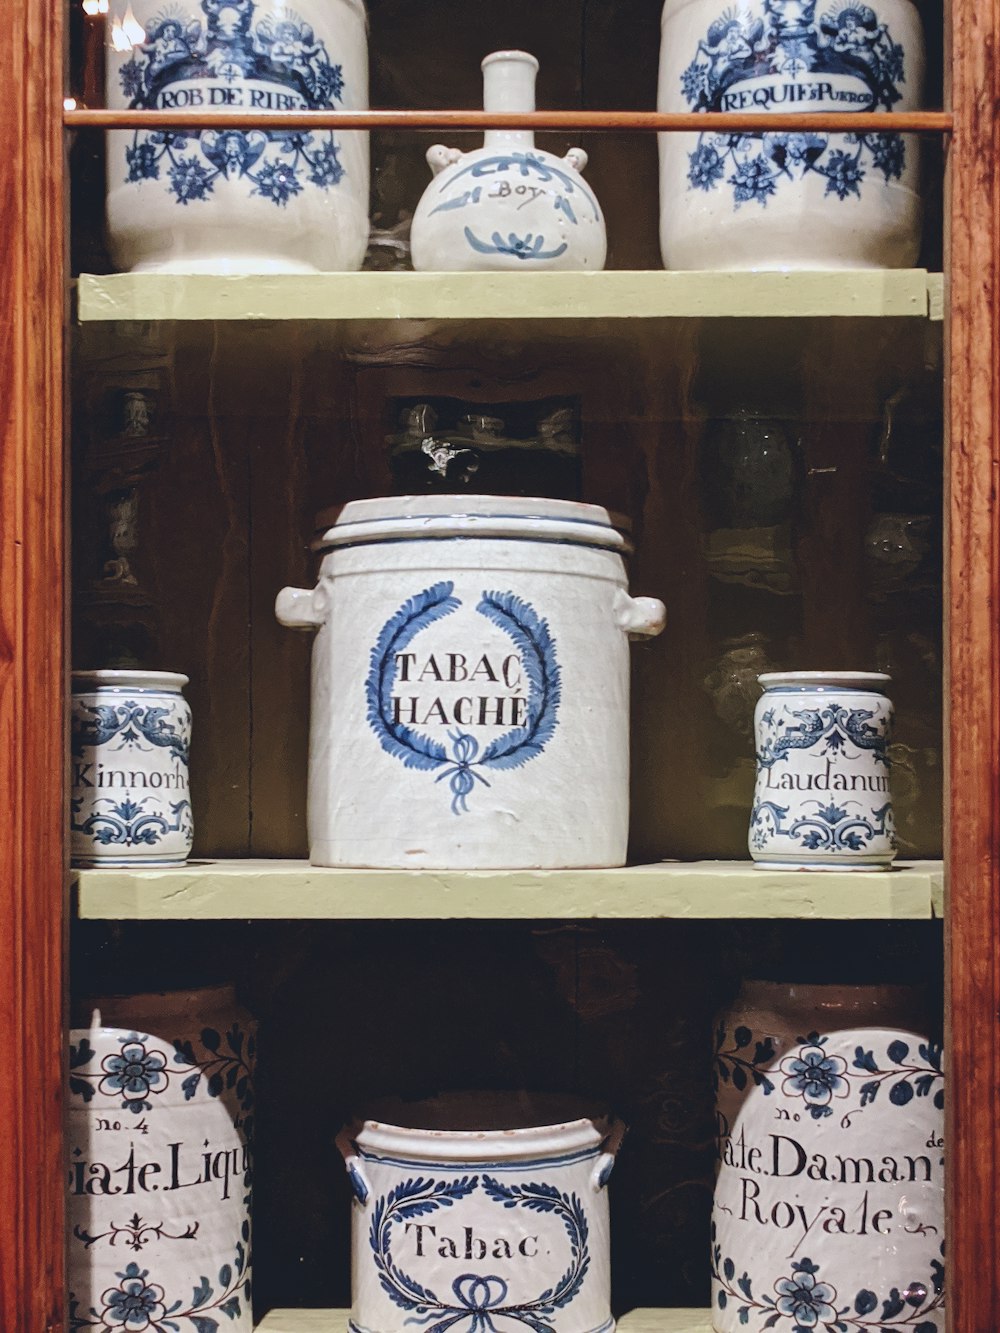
836, 725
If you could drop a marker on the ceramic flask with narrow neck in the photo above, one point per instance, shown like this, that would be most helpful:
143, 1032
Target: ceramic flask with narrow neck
507, 206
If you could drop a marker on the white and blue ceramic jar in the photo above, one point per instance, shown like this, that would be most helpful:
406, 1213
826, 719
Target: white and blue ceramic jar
802, 200
130, 797
481, 1211
829, 1197
229, 200
470, 684
160, 1112
507, 206
823, 799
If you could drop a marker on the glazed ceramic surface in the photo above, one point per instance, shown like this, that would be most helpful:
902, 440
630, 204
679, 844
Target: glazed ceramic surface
130, 799
160, 1127
470, 684
823, 799
508, 205
829, 1202
800, 200
234, 201
477, 1219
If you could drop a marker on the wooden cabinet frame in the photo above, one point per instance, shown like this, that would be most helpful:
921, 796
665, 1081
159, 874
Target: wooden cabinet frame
33, 669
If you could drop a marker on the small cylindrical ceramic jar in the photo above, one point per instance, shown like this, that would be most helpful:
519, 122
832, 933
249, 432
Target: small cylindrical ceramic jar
829, 1199
229, 200
481, 1211
790, 200
159, 1136
130, 799
508, 205
470, 684
823, 799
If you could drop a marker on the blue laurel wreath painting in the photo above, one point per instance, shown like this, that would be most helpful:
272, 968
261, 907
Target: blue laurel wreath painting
747, 63
464, 766
187, 63
476, 1300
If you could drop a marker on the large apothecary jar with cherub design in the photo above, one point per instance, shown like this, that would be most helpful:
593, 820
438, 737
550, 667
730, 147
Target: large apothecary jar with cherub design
790, 200
229, 200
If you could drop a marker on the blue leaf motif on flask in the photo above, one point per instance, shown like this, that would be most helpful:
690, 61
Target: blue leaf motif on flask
462, 767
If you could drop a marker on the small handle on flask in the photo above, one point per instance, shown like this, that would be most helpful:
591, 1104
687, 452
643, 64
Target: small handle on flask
360, 1185
439, 157
639, 617
605, 1163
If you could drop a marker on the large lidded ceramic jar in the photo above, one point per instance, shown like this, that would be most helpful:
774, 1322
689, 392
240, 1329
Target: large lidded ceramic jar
232, 200
160, 1111
785, 200
823, 799
508, 205
470, 684
130, 794
829, 1198
482, 1211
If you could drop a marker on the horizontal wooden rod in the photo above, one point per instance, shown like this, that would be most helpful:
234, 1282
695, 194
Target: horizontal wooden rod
927, 122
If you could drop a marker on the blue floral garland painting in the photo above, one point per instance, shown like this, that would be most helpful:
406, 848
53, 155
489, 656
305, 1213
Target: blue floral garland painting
784, 43
132, 1078
230, 49
463, 767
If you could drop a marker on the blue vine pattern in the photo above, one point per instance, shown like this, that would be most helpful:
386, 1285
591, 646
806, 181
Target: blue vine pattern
477, 1298
140, 1070
786, 42
811, 1073
138, 1304
828, 828
128, 824
805, 1303
281, 51
530, 635
527, 165
132, 723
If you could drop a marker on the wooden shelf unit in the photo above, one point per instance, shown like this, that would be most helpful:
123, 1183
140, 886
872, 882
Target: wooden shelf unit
704, 890
636, 1321
617, 294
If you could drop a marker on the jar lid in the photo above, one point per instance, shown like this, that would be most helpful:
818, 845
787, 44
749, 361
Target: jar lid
835, 680
470, 1126
439, 517
171, 681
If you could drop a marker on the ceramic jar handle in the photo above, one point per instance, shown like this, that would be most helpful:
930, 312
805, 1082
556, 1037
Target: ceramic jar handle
301, 608
360, 1187
439, 157
639, 617
604, 1165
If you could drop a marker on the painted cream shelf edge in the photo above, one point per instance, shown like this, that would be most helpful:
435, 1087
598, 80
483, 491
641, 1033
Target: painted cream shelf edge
702, 890
636, 1321
621, 294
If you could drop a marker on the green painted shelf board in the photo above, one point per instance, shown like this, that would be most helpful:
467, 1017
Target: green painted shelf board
705, 890
619, 294
636, 1321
